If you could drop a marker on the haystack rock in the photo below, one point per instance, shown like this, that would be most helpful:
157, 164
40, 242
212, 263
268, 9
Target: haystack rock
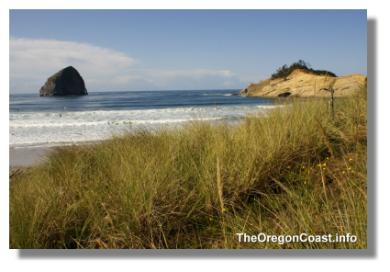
301, 83
65, 82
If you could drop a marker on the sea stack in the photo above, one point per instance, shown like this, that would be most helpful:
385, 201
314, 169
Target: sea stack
67, 81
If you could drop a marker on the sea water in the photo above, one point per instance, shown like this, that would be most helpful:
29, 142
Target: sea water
48, 121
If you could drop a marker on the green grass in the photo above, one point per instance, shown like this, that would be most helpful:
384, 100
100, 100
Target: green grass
295, 170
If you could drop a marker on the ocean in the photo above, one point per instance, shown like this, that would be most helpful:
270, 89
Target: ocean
50, 121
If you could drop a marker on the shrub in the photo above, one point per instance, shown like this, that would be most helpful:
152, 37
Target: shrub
285, 71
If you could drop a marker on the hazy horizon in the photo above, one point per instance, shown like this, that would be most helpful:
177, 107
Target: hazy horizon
150, 90
142, 50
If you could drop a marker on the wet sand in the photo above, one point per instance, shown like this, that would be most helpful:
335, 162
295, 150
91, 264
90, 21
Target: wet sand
27, 156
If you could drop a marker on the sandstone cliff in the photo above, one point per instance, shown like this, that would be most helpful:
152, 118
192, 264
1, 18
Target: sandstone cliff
303, 84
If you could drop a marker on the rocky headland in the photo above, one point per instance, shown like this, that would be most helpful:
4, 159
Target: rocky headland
302, 83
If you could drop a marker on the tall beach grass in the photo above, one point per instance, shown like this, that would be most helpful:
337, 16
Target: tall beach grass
295, 170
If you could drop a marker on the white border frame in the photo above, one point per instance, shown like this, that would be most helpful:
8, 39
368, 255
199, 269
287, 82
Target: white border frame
288, 261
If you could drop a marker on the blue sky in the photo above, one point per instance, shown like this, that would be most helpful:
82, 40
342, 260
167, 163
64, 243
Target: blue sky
180, 49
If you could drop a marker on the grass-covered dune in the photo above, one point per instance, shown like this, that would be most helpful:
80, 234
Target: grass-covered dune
295, 170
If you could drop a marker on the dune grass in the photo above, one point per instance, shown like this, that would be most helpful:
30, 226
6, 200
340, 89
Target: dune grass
294, 170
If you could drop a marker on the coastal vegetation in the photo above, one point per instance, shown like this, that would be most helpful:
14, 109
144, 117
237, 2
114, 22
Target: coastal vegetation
295, 170
285, 70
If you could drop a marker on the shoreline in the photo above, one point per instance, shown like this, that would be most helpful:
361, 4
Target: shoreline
21, 156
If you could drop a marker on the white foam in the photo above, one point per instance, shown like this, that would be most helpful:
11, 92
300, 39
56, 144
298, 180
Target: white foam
58, 128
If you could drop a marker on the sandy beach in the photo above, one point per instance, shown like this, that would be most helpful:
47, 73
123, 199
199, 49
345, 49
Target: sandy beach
27, 156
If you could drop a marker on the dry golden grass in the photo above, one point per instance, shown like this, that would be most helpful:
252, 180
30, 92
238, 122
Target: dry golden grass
295, 170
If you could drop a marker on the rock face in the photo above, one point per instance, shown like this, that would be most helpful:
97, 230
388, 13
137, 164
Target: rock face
65, 82
303, 84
